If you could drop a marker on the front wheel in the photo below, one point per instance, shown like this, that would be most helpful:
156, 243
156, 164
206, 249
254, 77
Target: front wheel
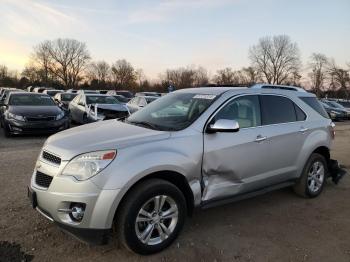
151, 216
313, 178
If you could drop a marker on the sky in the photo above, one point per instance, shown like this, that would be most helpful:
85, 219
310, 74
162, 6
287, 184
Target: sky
159, 34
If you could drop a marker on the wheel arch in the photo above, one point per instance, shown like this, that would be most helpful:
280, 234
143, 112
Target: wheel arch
173, 177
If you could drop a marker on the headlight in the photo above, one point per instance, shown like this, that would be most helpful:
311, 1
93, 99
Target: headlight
17, 117
87, 165
60, 116
335, 112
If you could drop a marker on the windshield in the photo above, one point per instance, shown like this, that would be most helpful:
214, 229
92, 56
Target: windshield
121, 99
68, 97
31, 100
52, 92
344, 103
173, 112
125, 94
335, 104
101, 100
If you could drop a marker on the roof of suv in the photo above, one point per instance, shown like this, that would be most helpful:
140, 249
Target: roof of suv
221, 90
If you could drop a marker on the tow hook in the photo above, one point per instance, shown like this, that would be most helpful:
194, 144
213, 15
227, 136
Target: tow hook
336, 171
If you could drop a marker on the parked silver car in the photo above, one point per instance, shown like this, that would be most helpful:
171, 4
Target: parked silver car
191, 148
87, 108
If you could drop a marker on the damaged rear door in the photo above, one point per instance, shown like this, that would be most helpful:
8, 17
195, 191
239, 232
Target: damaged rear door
234, 162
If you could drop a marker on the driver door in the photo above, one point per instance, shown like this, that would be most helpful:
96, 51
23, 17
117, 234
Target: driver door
235, 162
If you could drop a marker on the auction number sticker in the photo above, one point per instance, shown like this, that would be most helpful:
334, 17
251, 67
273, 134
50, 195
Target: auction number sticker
210, 97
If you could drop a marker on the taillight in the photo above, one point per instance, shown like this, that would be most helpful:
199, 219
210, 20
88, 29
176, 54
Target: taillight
332, 130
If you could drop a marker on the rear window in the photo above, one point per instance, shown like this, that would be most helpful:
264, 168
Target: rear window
313, 102
277, 109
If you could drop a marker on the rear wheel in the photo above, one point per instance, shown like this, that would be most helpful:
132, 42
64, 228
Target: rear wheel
313, 177
151, 216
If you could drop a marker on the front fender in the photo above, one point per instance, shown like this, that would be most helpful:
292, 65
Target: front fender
135, 163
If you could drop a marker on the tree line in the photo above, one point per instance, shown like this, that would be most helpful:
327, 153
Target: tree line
67, 63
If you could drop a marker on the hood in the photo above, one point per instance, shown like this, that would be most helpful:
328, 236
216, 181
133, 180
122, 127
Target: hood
35, 111
114, 107
103, 135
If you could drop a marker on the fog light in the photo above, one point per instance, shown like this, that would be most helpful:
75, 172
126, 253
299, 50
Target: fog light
77, 212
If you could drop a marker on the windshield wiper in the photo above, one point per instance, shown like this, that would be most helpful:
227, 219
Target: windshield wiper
144, 124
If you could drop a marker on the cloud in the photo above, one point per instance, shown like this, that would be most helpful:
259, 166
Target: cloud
167, 9
30, 17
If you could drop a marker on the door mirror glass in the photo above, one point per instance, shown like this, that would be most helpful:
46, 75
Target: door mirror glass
223, 125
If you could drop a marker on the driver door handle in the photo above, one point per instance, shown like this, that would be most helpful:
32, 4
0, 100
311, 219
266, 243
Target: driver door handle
260, 138
303, 129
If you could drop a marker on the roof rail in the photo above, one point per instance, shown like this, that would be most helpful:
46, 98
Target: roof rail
283, 87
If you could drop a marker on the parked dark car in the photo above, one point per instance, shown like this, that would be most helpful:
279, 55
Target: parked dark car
334, 113
6, 93
32, 113
337, 105
344, 103
63, 99
139, 102
87, 108
148, 94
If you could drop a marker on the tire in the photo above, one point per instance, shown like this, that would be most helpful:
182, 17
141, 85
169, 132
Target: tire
85, 120
7, 132
312, 179
144, 196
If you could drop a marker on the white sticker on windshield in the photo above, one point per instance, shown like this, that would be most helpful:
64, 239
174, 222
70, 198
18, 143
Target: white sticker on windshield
210, 97
47, 97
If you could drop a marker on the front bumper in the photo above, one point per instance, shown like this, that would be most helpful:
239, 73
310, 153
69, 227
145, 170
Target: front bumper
24, 127
63, 191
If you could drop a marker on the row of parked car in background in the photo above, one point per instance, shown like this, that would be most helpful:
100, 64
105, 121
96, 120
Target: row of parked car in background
49, 110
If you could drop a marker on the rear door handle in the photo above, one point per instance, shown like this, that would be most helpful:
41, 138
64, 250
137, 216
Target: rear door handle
303, 130
260, 138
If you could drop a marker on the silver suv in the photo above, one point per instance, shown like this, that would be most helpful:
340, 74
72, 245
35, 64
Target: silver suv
192, 148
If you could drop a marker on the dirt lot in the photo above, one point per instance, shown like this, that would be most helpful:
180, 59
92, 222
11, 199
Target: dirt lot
278, 226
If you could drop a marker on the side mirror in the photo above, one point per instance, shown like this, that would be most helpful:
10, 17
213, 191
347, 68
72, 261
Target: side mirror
223, 125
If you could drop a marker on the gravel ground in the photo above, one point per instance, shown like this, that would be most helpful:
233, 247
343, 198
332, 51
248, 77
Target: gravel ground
278, 226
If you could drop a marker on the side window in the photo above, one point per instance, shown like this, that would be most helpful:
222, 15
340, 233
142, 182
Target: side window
315, 105
245, 110
300, 113
277, 109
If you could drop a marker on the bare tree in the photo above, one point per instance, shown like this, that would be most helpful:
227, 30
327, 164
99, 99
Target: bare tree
318, 65
41, 61
201, 77
249, 76
185, 77
63, 59
276, 58
340, 78
123, 73
99, 71
225, 76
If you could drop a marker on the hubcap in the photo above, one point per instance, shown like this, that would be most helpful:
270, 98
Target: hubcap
156, 220
316, 176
